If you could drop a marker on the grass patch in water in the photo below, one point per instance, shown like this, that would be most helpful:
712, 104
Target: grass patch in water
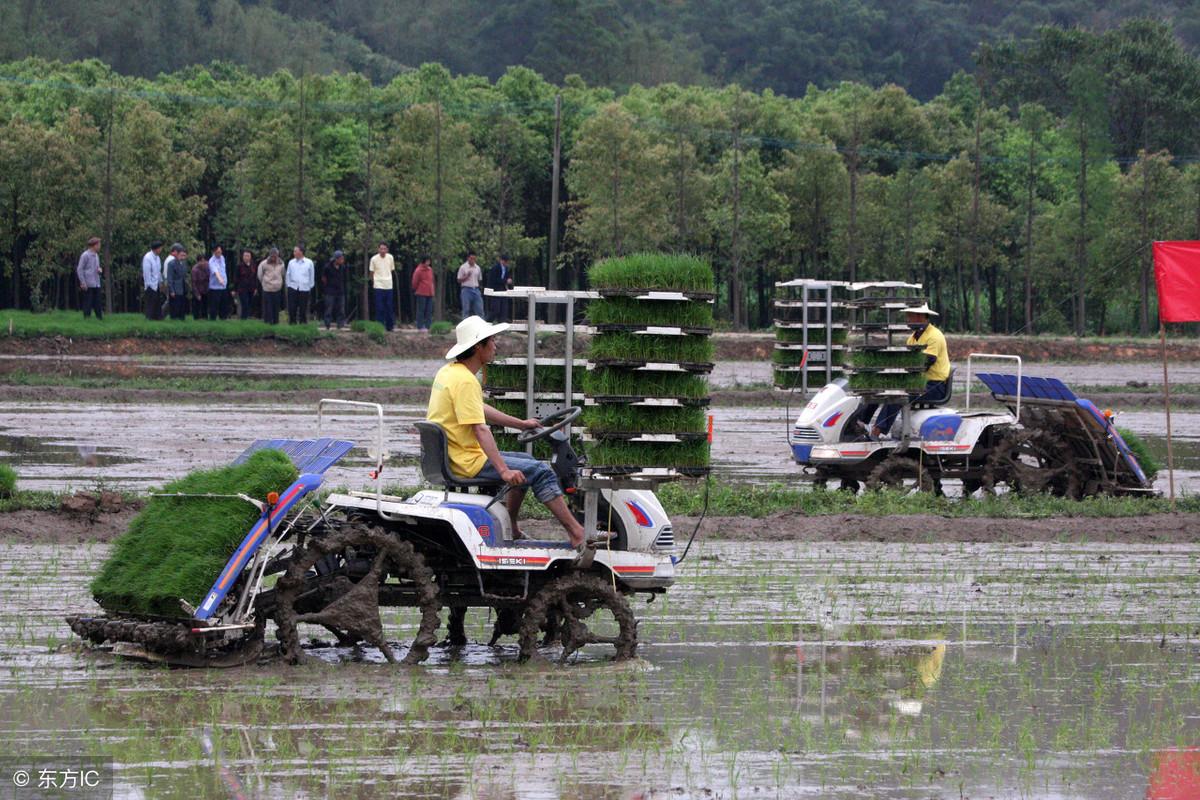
8, 482
375, 331
176, 547
660, 271
201, 383
72, 325
643, 347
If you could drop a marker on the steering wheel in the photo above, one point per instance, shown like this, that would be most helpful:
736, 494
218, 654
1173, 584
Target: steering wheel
551, 423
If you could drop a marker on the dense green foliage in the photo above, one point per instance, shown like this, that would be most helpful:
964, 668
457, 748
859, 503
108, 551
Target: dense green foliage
631, 311
176, 547
1022, 197
657, 271
375, 331
643, 419
615, 453
779, 44
606, 382
694, 349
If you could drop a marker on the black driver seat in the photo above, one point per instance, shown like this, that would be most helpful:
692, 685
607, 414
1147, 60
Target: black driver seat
435, 462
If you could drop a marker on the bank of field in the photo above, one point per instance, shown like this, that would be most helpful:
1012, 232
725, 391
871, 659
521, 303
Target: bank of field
72, 325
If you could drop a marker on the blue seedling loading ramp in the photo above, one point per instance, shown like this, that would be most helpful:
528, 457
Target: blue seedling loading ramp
1087, 420
311, 457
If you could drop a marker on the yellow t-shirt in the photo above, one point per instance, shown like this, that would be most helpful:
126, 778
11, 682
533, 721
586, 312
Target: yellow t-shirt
456, 403
935, 345
382, 268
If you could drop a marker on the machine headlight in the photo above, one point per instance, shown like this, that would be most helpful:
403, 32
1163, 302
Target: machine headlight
825, 452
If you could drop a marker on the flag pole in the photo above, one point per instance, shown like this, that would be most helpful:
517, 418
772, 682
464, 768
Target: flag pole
1162, 337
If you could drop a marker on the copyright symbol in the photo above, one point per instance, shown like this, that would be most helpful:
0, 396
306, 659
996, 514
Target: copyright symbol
20, 778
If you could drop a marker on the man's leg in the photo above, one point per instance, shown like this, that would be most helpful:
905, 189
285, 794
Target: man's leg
477, 301
97, 303
512, 502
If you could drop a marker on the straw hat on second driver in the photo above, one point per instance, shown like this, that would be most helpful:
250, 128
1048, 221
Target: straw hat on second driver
471, 331
921, 309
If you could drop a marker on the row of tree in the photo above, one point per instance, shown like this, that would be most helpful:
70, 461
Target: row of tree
1023, 197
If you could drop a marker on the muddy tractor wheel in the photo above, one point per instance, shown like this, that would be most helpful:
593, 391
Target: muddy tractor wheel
898, 473
1031, 462
344, 599
577, 610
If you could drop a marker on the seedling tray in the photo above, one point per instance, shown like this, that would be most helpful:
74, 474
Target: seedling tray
661, 473
648, 438
655, 330
654, 366
633, 399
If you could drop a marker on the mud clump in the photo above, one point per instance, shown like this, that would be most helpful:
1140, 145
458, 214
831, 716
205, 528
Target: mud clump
93, 503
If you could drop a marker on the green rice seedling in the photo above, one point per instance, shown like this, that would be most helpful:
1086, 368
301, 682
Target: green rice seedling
816, 336
508, 443
177, 546
643, 419
661, 271
665, 313
792, 358
648, 454
870, 381
514, 408
607, 382
1141, 451
8, 482
546, 377
879, 358
692, 349
69, 324
375, 331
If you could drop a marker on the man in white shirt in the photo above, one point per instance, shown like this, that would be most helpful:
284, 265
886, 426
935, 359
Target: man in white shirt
381, 268
470, 275
218, 284
300, 280
152, 272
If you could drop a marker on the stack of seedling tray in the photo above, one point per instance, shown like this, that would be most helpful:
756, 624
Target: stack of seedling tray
880, 363
506, 383
810, 334
646, 387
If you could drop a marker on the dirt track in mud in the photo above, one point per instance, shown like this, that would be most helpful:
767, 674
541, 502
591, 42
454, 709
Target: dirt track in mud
58, 527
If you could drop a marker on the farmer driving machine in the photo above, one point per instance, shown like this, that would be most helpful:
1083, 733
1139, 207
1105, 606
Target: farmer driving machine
334, 563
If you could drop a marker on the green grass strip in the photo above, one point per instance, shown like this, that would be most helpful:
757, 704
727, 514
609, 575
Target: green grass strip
200, 382
660, 271
72, 325
648, 454
375, 331
816, 336
610, 381
176, 547
866, 382
666, 313
877, 358
646, 347
643, 419
546, 378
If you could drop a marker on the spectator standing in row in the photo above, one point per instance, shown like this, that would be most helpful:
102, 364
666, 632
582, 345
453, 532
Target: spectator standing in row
151, 279
200, 278
470, 276
178, 281
381, 268
300, 280
247, 285
499, 279
88, 270
218, 284
270, 275
333, 290
422, 288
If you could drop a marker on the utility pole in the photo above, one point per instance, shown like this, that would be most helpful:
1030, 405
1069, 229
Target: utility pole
440, 295
108, 206
300, 181
368, 231
551, 271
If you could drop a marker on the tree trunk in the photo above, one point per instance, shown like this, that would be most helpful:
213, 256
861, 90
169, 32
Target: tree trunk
439, 260
107, 277
1081, 256
364, 311
852, 227
1147, 259
976, 317
1031, 180
735, 261
300, 210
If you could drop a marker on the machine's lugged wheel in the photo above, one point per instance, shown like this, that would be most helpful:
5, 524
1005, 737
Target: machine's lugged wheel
345, 599
903, 474
1033, 461
565, 607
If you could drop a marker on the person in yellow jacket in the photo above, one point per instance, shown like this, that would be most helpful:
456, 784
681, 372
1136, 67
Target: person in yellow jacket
937, 365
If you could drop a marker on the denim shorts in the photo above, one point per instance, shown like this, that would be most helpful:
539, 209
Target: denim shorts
538, 475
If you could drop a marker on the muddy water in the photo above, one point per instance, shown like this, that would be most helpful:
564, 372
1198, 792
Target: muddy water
138, 447
776, 670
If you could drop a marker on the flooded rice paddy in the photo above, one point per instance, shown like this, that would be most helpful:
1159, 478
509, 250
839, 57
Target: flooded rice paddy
770, 670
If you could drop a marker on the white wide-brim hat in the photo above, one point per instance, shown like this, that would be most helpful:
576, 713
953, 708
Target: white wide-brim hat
921, 309
472, 331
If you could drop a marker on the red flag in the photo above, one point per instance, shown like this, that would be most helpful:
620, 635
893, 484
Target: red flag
1177, 273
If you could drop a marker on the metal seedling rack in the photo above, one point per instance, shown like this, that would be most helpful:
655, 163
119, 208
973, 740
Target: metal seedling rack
810, 333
